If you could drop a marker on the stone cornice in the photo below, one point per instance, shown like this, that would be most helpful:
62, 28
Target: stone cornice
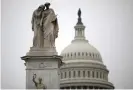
90, 82
82, 65
41, 57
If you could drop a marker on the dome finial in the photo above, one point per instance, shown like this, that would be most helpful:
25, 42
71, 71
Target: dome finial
79, 17
79, 13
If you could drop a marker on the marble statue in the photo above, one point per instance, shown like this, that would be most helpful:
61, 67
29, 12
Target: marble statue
45, 26
37, 27
39, 85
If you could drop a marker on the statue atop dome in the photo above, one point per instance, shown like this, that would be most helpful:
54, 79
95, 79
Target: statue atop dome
79, 17
79, 13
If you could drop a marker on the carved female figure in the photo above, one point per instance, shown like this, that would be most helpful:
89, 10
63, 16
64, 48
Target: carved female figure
38, 40
50, 26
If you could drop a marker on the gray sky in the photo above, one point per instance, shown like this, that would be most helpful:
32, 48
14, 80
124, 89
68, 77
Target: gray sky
109, 28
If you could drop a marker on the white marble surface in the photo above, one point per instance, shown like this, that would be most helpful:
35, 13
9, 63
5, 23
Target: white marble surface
45, 68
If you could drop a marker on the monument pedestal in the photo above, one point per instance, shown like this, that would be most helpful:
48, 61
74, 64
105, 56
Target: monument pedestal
47, 51
42, 61
45, 65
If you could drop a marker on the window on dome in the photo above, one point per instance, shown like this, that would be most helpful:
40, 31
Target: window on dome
83, 73
73, 87
97, 55
97, 74
93, 74
82, 54
71, 54
67, 87
93, 55
75, 54
84, 87
78, 87
69, 74
73, 73
68, 54
90, 54
103, 76
65, 74
86, 54
79, 53
78, 73
88, 73
100, 75
90, 87
61, 75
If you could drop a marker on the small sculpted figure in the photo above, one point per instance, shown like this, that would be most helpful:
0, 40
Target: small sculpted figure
39, 85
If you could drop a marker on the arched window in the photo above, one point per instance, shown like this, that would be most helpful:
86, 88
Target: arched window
71, 54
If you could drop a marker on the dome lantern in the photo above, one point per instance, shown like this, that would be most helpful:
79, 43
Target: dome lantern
79, 28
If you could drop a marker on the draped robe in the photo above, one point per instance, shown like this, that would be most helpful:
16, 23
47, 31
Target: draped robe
50, 27
38, 41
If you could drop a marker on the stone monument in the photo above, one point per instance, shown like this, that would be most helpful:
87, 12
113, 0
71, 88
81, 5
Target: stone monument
42, 61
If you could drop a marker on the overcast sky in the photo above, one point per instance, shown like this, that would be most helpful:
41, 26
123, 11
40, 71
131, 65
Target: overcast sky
109, 28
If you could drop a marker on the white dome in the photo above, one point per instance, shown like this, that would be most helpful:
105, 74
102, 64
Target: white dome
82, 65
79, 46
80, 49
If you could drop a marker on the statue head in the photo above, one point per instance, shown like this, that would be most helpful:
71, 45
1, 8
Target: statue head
47, 4
40, 80
41, 7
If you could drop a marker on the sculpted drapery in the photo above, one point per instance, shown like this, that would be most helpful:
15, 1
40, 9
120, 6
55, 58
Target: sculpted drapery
37, 28
45, 27
50, 27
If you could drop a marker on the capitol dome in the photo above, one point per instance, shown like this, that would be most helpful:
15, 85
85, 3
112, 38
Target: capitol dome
82, 66
81, 49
